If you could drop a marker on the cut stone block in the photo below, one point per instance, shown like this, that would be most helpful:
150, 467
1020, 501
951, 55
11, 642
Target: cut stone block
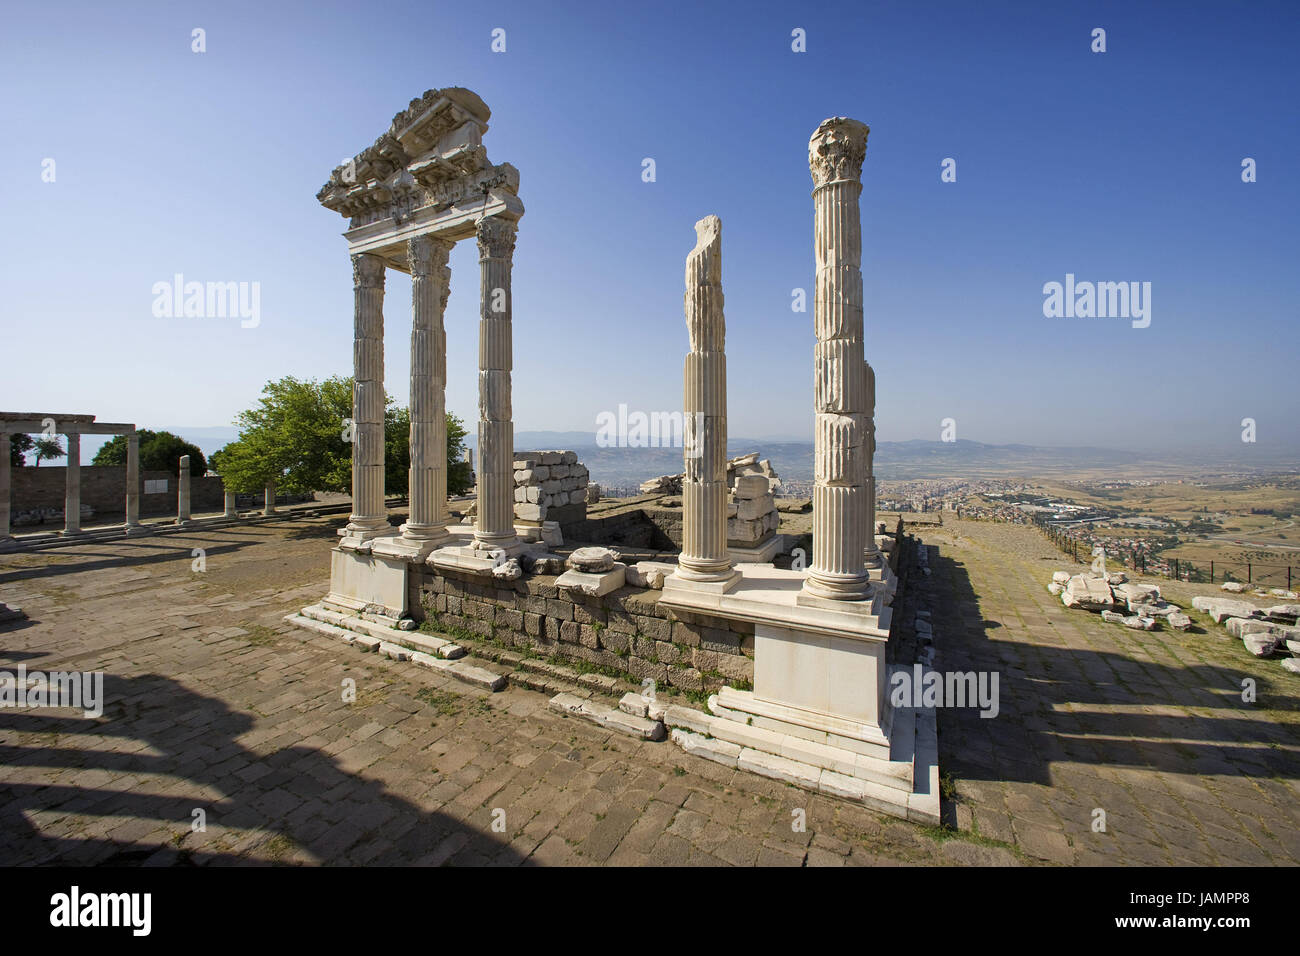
608, 717
779, 768
719, 751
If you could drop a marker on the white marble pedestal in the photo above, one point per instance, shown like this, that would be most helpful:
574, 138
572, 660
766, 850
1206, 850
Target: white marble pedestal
819, 713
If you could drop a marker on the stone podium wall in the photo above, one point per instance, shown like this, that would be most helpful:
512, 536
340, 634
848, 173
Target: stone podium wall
625, 631
103, 488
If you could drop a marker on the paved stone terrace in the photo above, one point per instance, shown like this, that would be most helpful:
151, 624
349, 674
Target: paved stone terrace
215, 704
1148, 726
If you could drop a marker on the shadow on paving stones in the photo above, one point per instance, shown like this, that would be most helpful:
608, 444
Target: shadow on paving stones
141, 551
303, 800
1029, 732
315, 530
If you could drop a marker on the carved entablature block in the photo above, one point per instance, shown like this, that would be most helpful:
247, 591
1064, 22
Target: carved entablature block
432, 155
836, 151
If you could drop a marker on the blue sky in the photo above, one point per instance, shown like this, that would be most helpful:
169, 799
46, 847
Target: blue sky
1120, 166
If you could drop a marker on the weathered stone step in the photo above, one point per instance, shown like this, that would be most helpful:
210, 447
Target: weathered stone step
425, 642
558, 672
458, 669
610, 718
893, 774
462, 671
803, 775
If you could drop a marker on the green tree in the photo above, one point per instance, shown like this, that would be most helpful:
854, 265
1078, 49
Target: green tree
298, 436
159, 451
47, 448
19, 446
459, 471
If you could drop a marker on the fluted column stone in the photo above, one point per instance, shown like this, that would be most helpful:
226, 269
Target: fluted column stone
369, 515
183, 491
132, 482
704, 554
72, 487
840, 490
495, 524
430, 281
871, 554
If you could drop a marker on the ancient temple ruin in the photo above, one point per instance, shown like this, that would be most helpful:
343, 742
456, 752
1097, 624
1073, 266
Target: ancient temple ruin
71, 427
719, 616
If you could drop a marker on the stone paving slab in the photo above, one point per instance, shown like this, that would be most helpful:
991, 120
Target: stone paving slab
1149, 727
214, 703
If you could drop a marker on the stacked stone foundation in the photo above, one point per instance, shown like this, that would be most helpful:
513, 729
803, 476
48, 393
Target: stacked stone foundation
625, 631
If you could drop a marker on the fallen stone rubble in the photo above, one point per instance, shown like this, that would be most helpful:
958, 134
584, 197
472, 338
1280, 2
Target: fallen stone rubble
1264, 632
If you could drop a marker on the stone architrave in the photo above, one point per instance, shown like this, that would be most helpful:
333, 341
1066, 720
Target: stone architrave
183, 491
871, 554
705, 497
132, 482
494, 527
369, 515
835, 154
72, 495
426, 526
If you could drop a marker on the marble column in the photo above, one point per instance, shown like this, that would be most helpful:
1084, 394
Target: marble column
704, 554
231, 510
183, 491
4, 485
495, 525
72, 494
369, 514
835, 154
426, 525
871, 554
132, 482
268, 498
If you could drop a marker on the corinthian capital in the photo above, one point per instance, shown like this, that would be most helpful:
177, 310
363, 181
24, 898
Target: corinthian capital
427, 256
836, 151
496, 238
367, 271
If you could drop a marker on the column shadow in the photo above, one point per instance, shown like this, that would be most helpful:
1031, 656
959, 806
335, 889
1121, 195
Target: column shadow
298, 794
1050, 698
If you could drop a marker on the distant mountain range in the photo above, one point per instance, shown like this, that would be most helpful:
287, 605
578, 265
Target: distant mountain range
793, 460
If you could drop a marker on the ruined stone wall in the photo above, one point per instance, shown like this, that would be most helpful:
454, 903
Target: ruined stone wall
625, 631
103, 488
652, 529
550, 486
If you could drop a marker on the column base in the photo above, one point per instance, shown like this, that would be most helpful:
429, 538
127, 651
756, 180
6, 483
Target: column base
847, 589
685, 580
593, 583
509, 544
355, 535
414, 547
